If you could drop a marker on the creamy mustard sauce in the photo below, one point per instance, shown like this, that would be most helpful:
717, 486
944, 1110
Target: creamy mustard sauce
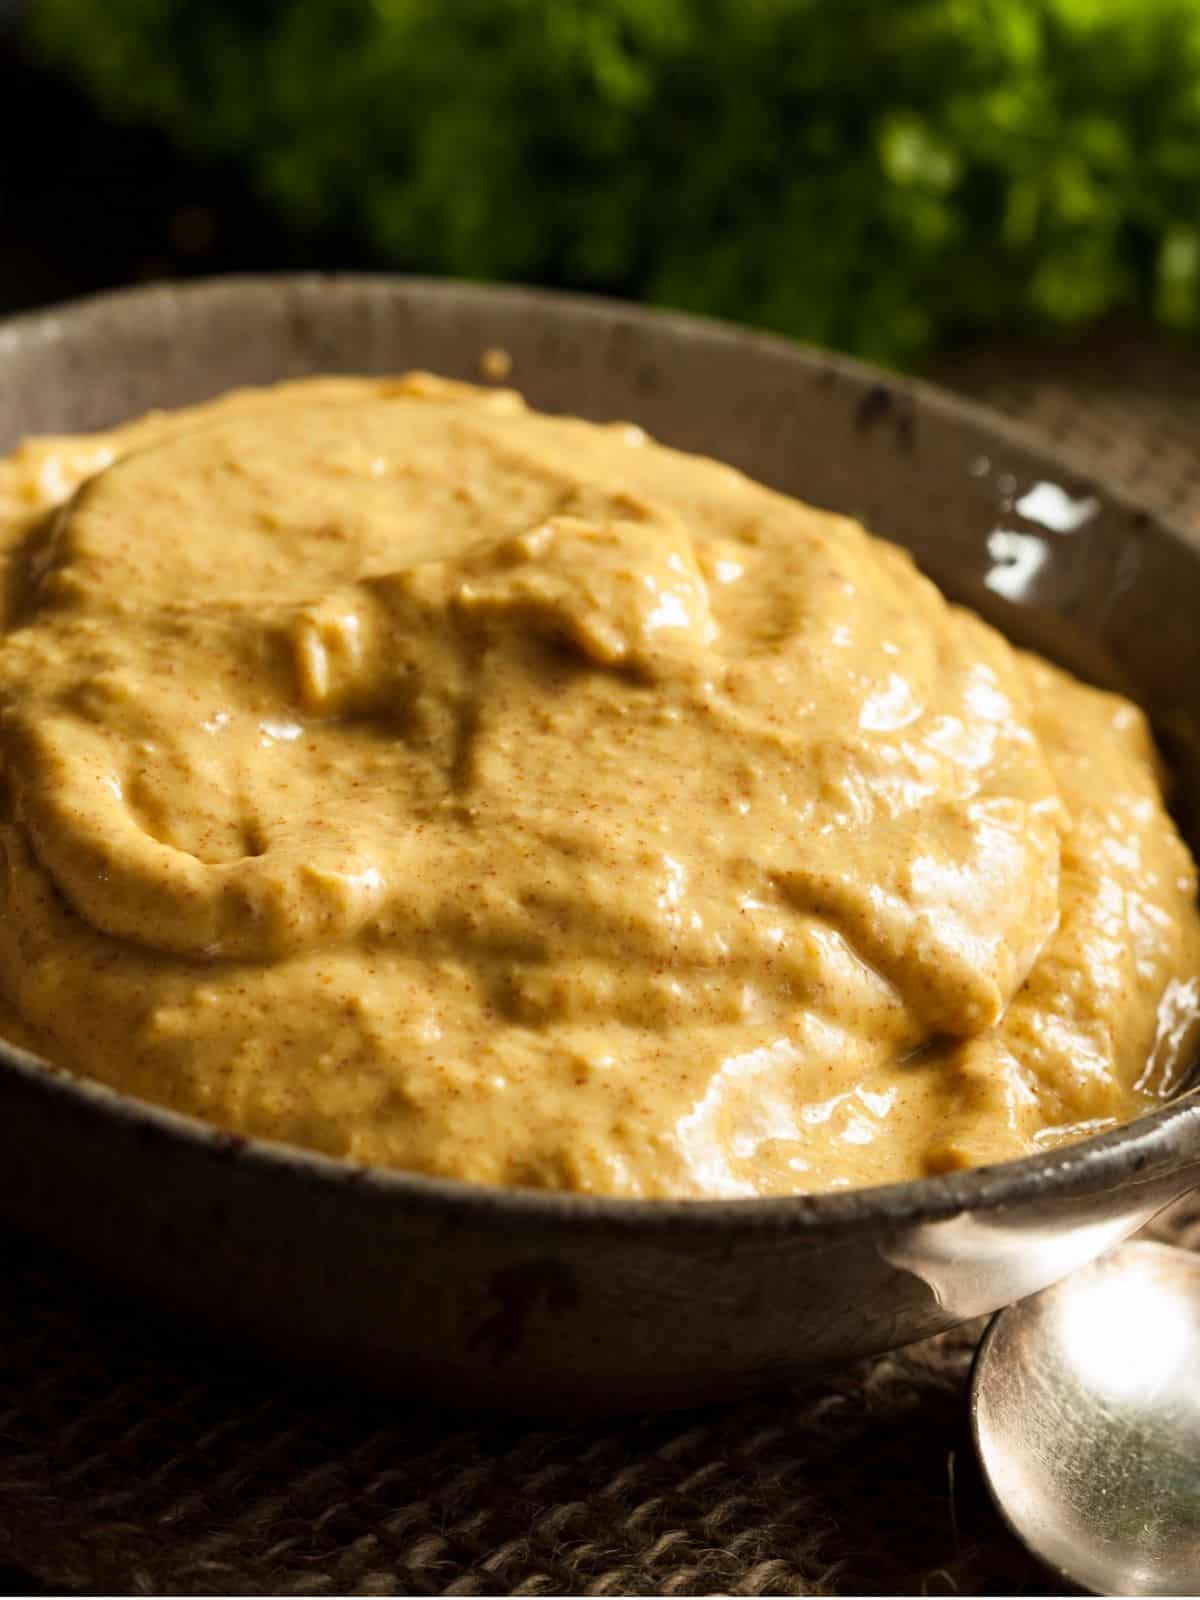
398, 772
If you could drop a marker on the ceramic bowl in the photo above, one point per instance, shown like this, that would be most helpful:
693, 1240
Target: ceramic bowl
543, 1301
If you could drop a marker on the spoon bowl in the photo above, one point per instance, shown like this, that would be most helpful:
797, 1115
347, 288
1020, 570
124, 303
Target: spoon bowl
1085, 1408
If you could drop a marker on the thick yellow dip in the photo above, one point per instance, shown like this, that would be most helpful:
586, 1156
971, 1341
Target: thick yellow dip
395, 771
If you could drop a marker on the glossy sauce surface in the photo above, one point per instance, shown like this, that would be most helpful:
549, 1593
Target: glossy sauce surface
395, 771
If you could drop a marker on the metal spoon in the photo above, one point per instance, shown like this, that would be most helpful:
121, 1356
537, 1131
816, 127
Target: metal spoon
1085, 1407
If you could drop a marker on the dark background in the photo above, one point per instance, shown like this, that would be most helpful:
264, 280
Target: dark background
87, 205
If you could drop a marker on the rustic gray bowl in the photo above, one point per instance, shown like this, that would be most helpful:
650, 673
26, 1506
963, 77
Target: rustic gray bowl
538, 1301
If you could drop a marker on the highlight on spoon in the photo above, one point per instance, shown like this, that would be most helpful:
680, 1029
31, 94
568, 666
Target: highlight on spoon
1085, 1409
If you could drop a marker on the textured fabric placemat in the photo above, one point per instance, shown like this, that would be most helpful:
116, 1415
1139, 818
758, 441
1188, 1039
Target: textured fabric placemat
131, 1462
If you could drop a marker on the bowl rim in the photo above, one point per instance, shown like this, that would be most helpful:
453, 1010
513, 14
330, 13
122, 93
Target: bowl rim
1166, 1139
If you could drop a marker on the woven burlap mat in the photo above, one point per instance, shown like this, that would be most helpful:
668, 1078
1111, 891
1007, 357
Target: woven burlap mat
133, 1463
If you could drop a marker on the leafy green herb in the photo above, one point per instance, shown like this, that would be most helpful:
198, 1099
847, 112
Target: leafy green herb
879, 175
